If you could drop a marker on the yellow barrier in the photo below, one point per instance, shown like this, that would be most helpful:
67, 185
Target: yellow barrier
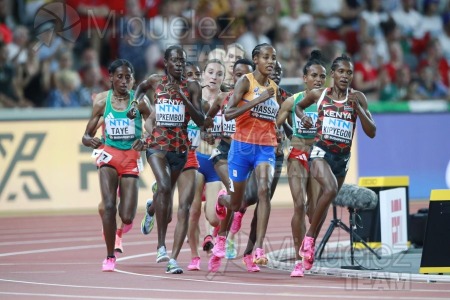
379, 222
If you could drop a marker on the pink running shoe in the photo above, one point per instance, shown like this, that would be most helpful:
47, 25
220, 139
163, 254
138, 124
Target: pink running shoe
307, 252
195, 264
214, 263
118, 245
298, 270
109, 264
219, 247
248, 262
237, 222
221, 210
127, 227
260, 258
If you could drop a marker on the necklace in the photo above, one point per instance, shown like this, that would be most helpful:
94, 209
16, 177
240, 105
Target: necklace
121, 97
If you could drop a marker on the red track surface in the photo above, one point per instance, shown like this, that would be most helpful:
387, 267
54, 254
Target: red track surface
59, 257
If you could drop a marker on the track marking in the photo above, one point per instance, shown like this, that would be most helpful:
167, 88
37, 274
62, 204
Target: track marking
238, 293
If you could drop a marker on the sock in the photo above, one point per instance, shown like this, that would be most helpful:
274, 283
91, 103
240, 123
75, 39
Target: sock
111, 256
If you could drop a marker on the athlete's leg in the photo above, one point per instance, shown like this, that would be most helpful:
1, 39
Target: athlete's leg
297, 177
186, 190
109, 181
166, 179
264, 176
194, 216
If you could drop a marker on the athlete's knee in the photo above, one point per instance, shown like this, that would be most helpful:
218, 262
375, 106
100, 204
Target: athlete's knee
164, 188
264, 192
184, 208
109, 208
127, 220
330, 191
299, 206
194, 214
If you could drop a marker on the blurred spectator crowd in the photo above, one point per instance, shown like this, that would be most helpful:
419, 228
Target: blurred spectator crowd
56, 53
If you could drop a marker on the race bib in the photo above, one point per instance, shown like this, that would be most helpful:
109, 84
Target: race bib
120, 128
193, 134
266, 110
170, 113
228, 127
217, 127
337, 130
301, 130
104, 157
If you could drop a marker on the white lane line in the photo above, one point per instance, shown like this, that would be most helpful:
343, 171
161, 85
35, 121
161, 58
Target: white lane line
230, 292
47, 241
50, 250
65, 296
65, 249
40, 272
284, 241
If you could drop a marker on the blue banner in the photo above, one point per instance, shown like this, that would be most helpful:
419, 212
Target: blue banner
408, 144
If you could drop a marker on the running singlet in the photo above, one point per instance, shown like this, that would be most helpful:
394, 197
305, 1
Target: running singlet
297, 126
119, 131
335, 124
170, 132
228, 127
257, 126
284, 94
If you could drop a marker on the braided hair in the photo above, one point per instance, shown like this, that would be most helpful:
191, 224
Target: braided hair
343, 57
315, 58
257, 50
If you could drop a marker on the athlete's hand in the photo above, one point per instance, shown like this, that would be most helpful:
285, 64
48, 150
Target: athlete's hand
208, 137
208, 123
354, 101
307, 121
280, 135
175, 89
131, 114
267, 94
95, 142
139, 145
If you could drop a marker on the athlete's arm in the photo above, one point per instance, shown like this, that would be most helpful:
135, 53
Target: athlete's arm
307, 101
216, 105
194, 106
359, 101
89, 139
241, 87
141, 90
285, 109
